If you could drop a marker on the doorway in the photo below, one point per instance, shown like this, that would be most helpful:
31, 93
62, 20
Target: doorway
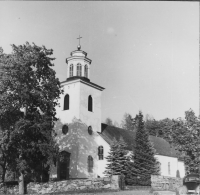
63, 168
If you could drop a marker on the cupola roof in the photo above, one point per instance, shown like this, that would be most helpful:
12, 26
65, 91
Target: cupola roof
78, 54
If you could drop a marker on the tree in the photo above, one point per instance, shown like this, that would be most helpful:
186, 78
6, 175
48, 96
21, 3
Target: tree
161, 128
186, 138
128, 122
116, 124
29, 82
109, 121
117, 158
144, 163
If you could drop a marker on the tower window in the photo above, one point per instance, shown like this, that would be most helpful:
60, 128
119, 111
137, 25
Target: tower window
79, 72
90, 103
71, 70
66, 102
90, 130
86, 71
169, 168
100, 152
90, 164
65, 129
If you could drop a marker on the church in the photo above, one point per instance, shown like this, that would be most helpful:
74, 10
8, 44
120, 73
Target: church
83, 140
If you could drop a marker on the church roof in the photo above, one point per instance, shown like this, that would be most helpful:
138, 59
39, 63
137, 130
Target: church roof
84, 80
161, 146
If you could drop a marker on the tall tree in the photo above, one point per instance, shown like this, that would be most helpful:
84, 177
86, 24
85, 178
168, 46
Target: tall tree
117, 158
186, 138
144, 163
161, 128
109, 121
128, 122
29, 82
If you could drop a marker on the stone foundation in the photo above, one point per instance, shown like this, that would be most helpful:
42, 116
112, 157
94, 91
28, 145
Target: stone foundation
95, 184
164, 183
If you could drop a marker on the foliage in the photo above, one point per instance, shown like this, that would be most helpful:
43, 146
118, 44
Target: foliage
128, 122
109, 121
186, 138
144, 163
28, 82
161, 128
117, 158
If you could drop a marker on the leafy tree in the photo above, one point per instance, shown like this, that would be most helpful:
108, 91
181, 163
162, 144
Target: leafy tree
144, 163
116, 124
117, 158
109, 121
161, 128
28, 82
128, 122
186, 138
152, 126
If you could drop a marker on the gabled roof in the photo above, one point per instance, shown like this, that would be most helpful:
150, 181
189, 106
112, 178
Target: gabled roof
161, 146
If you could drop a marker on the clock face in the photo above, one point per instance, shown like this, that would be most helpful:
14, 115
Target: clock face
65, 129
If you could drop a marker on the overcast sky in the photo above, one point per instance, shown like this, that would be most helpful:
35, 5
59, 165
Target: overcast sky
146, 54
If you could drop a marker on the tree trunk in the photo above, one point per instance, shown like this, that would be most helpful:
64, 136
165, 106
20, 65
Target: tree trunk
3, 174
21, 184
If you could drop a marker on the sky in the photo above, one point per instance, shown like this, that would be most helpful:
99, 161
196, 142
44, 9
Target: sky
145, 54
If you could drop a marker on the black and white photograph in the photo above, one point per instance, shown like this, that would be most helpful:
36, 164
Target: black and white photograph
99, 97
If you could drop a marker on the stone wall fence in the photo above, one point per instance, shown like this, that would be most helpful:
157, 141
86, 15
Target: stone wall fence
164, 183
78, 185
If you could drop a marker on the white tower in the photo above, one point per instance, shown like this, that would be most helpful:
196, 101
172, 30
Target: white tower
81, 98
79, 120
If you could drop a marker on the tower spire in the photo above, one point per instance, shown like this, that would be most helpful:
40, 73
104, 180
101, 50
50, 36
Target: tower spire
79, 46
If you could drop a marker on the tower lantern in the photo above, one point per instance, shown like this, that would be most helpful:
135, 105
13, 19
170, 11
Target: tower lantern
78, 65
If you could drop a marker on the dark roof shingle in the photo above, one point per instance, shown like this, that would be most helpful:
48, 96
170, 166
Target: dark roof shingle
161, 146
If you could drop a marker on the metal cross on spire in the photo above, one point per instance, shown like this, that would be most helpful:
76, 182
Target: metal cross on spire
79, 39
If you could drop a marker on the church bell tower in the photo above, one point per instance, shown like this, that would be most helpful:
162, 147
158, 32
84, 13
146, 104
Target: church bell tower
81, 98
79, 122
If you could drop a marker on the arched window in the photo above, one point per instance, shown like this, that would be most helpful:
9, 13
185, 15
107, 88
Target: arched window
79, 72
90, 164
100, 152
169, 168
66, 102
86, 71
90, 130
65, 129
71, 70
90, 103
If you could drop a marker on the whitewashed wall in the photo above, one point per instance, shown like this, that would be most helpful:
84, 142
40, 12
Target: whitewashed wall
101, 164
174, 166
77, 141
73, 89
181, 168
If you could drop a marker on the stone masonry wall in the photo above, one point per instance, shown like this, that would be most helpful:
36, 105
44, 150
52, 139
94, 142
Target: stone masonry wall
166, 183
111, 183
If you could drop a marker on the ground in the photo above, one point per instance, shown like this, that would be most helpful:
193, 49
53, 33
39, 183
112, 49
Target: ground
138, 192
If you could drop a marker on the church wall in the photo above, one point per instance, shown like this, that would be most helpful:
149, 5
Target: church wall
102, 163
69, 144
165, 161
80, 144
87, 146
181, 168
73, 89
90, 118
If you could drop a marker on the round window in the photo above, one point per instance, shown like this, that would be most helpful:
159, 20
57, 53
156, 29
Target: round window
90, 130
65, 129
